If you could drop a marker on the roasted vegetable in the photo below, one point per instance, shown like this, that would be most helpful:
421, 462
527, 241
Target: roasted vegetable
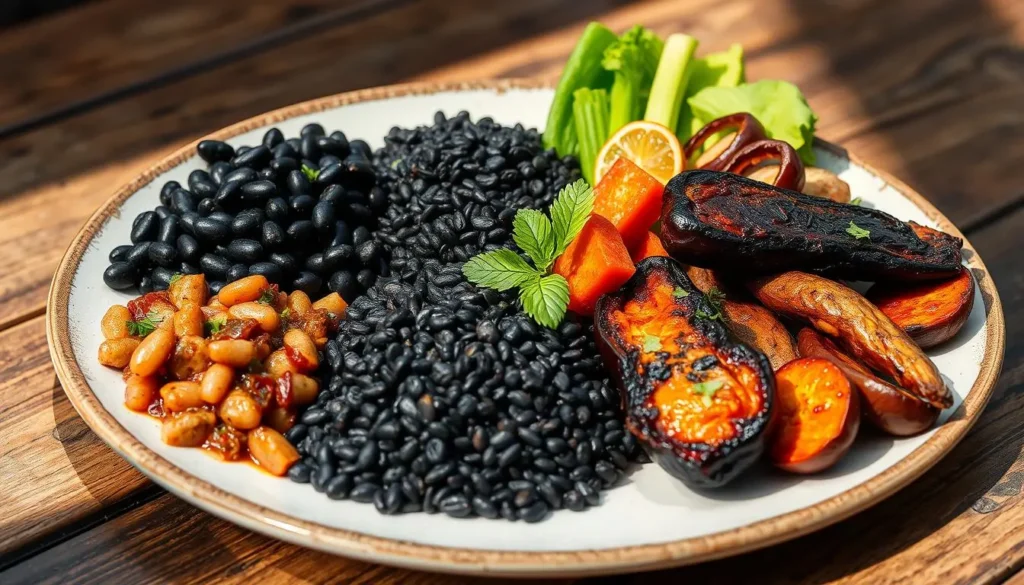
595, 263
751, 323
728, 222
887, 407
823, 183
841, 312
630, 198
699, 402
930, 312
769, 161
741, 129
818, 416
650, 248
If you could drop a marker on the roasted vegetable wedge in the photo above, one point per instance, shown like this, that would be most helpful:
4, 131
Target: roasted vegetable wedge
721, 220
595, 263
841, 312
699, 402
930, 312
751, 323
818, 416
887, 407
650, 248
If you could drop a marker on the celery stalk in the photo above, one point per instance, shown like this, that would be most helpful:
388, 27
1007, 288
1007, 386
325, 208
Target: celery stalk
634, 59
669, 85
583, 69
590, 116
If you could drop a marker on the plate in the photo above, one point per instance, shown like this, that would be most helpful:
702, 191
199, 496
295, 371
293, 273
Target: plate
651, 521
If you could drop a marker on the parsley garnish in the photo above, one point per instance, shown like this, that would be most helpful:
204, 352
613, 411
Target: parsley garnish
286, 313
310, 172
858, 232
651, 343
714, 298
708, 388
679, 293
214, 326
545, 296
146, 325
856, 201
267, 297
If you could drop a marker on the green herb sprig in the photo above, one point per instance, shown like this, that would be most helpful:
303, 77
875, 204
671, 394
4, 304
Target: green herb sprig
858, 232
714, 298
310, 172
856, 201
144, 326
545, 296
215, 325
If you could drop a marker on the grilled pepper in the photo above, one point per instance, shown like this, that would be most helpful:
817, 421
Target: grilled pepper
728, 222
697, 400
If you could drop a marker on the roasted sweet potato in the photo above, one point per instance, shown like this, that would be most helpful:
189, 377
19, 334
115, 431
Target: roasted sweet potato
887, 407
650, 248
698, 402
728, 222
818, 416
748, 321
930, 312
841, 312
630, 198
595, 263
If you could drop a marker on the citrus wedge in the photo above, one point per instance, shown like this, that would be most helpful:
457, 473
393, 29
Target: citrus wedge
650, 146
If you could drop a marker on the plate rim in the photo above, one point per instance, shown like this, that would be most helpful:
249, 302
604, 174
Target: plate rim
412, 555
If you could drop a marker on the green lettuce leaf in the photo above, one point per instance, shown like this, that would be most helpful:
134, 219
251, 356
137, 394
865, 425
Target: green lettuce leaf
778, 105
724, 69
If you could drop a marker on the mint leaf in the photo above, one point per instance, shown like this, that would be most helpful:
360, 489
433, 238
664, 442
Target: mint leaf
501, 270
708, 388
858, 232
145, 326
531, 231
569, 213
546, 298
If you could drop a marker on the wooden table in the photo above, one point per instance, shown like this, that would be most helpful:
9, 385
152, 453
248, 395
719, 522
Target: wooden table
931, 90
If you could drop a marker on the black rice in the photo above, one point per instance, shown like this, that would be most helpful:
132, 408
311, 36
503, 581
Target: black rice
443, 397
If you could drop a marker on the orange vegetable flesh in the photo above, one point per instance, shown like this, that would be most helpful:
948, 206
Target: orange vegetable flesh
920, 306
813, 398
630, 198
650, 247
595, 263
688, 410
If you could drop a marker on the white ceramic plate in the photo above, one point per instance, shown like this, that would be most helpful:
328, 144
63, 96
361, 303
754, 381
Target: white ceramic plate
657, 521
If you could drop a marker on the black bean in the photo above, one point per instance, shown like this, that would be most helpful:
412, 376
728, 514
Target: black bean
298, 183
309, 148
258, 192
277, 210
212, 231
286, 262
163, 254
120, 275
138, 256
270, 270
272, 236
214, 266
255, 158
323, 217
247, 223
145, 227
245, 250
236, 272
188, 248
272, 138
215, 150
533, 513
165, 192
307, 282
364, 492
302, 205
200, 184
168, 232
119, 253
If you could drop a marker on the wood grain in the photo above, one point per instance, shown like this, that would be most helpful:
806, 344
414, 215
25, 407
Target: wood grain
960, 523
108, 45
62, 170
168, 541
53, 470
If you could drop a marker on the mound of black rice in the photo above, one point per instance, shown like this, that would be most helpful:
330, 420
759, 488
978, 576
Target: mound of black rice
442, 397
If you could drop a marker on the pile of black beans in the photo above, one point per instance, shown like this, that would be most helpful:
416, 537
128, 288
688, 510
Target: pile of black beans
443, 397
255, 210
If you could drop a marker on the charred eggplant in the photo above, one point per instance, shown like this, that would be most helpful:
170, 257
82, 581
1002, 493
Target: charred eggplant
699, 402
720, 220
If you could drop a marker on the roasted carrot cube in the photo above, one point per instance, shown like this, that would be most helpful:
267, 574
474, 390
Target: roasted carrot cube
650, 247
595, 263
630, 198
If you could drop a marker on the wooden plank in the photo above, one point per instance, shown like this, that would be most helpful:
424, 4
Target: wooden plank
53, 469
169, 541
981, 119
962, 522
107, 45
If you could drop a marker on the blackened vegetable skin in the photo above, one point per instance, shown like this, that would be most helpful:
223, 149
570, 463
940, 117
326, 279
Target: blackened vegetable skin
725, 221
657, 335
